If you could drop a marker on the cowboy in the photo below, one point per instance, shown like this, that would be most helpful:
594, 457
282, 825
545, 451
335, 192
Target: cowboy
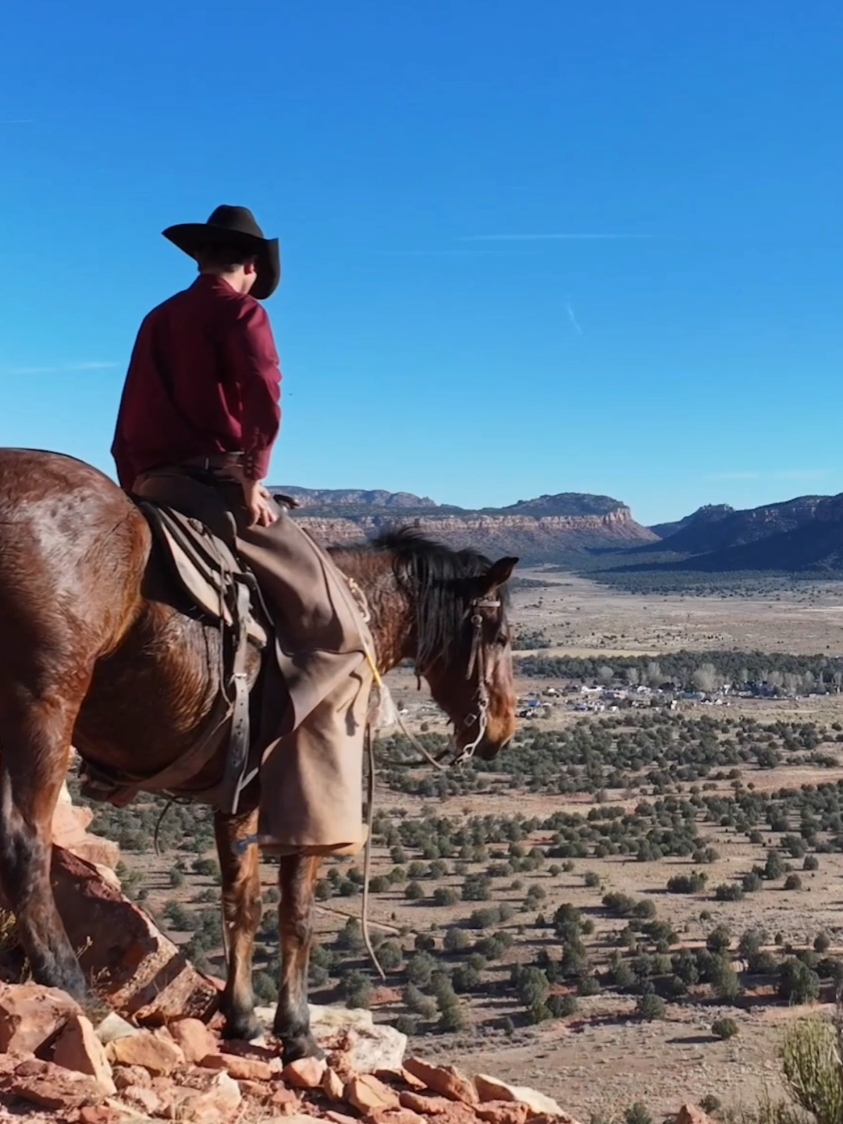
198, 418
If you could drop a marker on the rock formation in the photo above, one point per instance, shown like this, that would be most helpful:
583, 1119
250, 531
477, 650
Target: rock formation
184, 1071
70, 831
537, 530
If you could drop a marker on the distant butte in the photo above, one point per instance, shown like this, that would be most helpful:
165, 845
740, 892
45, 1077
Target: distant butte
538, 530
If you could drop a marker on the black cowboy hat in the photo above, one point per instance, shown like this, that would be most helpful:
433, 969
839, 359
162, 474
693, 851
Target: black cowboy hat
233, 226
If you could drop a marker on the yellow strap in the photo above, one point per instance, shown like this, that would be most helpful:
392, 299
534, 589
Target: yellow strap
376, 675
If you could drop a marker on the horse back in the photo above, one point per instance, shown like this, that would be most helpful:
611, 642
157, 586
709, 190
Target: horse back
73, 550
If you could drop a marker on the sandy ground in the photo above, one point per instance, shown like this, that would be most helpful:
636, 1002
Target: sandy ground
583, 618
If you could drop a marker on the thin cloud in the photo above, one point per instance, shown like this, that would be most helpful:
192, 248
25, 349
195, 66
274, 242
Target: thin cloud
439, 253
552, 237
24, 371
573, 318
790, 474
29, 370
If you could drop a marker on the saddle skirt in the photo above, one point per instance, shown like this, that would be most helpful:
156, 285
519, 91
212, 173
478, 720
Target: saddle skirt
204, 568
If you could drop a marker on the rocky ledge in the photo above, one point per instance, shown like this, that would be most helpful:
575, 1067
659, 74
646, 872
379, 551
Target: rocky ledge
56, 1065
159, 1052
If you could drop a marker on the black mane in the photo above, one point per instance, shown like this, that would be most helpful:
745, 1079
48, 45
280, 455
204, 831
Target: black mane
441, 580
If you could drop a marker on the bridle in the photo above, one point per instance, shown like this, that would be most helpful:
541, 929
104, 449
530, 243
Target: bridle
480, 715
477, 664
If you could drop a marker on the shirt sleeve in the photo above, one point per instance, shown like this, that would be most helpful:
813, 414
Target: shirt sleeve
120, 451
125, 472
252, 361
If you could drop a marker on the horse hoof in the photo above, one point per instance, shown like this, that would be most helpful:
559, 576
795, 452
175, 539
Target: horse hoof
302, 1046
243, 1027
73, 983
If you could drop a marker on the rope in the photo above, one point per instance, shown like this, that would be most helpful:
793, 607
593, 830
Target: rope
413, 740
367, 854
158, 823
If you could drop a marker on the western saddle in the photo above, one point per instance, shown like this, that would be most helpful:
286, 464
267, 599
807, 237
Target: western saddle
217, 588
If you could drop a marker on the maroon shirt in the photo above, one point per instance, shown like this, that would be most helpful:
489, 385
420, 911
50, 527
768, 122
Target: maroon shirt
203, 379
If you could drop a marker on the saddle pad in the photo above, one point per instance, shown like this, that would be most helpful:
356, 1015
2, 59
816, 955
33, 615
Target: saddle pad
201, 563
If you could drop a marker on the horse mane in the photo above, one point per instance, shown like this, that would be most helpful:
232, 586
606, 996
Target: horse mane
440, 580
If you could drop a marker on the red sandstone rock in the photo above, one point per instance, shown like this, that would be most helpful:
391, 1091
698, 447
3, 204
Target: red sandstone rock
126, 1075
155, 1053
31, 1015
29, 1067
306, 1073
445, 1080
140, 971
70, 830
260, 1091
285, 1100
79, 1049
215, 1106
395, 1116
367, 1093
246, 1069
340, 1061
443, 1109
195, 1039
503, 1112
99, 1114
303, 1118
400, 1077
253, 1050
492, 1089
144, 1098
52, 1086
333, 1085
340, 1118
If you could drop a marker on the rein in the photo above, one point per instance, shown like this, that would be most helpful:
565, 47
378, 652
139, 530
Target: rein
476, 664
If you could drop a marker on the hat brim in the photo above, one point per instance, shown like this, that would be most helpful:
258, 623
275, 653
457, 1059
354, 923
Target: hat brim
190, 237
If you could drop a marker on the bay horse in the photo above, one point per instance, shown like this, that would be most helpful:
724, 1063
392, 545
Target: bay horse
96, 654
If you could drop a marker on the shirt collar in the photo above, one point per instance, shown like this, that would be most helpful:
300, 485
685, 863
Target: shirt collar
211, 282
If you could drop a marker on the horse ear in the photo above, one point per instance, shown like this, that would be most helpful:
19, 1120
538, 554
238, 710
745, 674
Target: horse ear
498, 574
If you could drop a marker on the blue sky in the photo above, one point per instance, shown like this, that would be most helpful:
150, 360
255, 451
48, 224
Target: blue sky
528, 247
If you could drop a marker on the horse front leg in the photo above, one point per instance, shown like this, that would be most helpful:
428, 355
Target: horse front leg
35, 735
296, 882
242, 911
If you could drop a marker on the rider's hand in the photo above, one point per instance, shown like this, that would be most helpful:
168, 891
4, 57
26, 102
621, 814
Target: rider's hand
259, 503
256, 498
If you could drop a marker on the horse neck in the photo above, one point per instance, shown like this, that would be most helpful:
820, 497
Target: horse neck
393, 616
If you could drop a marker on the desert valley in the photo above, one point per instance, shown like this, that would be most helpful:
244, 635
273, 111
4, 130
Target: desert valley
630, 906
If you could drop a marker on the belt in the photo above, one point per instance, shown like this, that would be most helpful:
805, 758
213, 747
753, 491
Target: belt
215, 460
